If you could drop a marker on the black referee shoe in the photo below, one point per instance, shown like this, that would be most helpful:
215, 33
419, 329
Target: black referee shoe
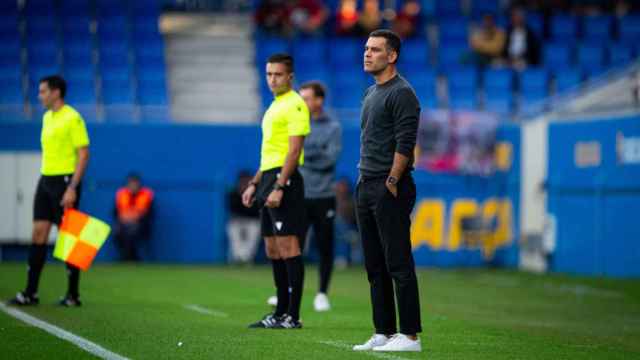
267, 322
287, 322
70, 301
24, 299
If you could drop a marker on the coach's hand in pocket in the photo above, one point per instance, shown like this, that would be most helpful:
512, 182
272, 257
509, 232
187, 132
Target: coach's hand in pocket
274, 199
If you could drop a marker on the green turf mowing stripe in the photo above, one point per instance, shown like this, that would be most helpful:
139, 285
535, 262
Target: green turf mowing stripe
80, 342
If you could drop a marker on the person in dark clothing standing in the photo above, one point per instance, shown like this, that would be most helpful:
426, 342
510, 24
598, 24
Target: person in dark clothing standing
386, 194
321, 150
243, 227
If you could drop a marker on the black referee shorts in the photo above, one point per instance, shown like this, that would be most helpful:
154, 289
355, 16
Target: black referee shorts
49, 192
289, 218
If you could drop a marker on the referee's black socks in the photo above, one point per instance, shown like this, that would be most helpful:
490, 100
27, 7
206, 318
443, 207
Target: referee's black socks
295, 270
73, 273
37, 257
281, 280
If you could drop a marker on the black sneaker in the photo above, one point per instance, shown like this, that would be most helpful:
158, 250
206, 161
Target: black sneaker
24, 299
267, 322
70, 301
287, 322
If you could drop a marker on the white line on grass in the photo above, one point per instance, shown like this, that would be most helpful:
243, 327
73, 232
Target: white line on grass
379, 355
204, 310
78, 341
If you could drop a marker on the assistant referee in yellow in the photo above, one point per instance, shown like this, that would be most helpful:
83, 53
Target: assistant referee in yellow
65, 155
279, 191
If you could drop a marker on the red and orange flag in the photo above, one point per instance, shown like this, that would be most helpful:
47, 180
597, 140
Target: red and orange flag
79, 238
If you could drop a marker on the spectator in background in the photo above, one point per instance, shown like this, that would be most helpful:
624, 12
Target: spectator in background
273, 16
290, 17
308, 16
487, 42
522, 47
347, 18
134, 205
408, 19
371, 17
243, 227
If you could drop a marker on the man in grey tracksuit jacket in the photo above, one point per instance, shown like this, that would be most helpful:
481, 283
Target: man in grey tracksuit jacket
321, 150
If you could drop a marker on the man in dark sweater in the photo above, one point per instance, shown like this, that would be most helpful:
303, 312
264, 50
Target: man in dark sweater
386, 194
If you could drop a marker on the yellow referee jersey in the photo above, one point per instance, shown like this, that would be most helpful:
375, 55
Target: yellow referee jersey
287, 116
63, 132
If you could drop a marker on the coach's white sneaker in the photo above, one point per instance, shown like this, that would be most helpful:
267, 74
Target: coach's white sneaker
375, 340
400, 342
272, 300
321, 302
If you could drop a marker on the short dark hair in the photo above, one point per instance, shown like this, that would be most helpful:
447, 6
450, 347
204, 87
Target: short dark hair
133, 176
316, 86
393, 40
282, 58
55, 82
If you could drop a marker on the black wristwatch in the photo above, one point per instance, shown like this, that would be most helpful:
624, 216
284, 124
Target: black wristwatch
252, 183
392, 180
277, 186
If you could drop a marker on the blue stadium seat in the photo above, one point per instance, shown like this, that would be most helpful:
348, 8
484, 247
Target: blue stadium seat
10, 50
114, 53
147, 28
318, 73
9, 24
534, 84
351, 52
111, 8
152, 93
267, 46
462, 101
498, 101
42, 27
309, 52
557, 55
151, 73
152, 54
424, 84
77, 52
11, 71
43, 53
145, 8
80, 92
453, 30
75, 7
347, 89
414, 53
591, 57
9, 7
629, 28
448, 8
597, 29
118, 74
80, 72
76, 27
563, 28
39, 8
117, 92
498, 80
10, 87
536, 22
620, 54
463, 80
36, 73
567, 79
452, 56
113, 28
481, 7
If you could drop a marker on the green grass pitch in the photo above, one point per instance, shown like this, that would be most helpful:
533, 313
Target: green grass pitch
142, 312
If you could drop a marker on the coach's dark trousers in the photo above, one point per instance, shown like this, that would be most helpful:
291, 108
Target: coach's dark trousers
384, 222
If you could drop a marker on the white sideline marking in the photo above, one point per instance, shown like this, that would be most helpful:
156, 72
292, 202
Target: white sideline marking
379, 355
204, 310
78, 341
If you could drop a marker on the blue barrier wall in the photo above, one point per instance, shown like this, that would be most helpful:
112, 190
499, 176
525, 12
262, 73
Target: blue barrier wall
190, 167
594, 194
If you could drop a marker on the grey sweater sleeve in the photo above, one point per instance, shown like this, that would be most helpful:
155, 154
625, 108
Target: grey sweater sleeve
405, 110
328, 157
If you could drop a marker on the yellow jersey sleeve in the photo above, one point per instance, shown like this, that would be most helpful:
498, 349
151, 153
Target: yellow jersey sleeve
78, 131
298, 118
